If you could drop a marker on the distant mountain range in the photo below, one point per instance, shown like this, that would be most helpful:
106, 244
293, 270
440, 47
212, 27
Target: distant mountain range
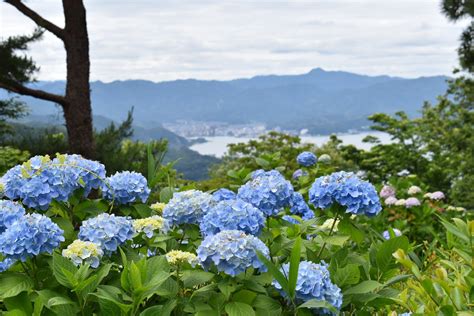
322, 101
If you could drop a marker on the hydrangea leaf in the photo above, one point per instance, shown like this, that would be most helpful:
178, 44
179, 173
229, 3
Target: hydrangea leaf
239, 309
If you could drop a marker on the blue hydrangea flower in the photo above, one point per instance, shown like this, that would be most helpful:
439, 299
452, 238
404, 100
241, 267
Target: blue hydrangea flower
268, 191
347, 190
231, 252
126, 187
10, 212
299, 173
290, 219
40, 180
299, 207
29, 236
187, 207
6, 264
307, 159
313, 282
107, 230
13, 182
87, 174
223, 195
233, 215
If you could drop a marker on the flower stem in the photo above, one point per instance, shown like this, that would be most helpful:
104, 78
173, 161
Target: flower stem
330, 233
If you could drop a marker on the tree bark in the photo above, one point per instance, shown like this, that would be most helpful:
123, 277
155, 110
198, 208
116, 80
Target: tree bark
76, 103
77, 108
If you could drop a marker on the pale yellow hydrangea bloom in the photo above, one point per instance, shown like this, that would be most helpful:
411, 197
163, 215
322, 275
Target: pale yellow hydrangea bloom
80, 251
150, 224
177, 256
401, 202
158, 207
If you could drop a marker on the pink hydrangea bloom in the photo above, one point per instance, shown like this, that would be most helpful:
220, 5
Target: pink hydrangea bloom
410, 202
387, 191
438, 195
391, 200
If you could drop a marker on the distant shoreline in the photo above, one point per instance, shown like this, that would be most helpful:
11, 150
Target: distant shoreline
217, 145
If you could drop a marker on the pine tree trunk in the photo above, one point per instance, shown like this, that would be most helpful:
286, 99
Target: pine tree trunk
77, 108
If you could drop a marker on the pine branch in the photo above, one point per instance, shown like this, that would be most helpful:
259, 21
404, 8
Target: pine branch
39, 94
38, 19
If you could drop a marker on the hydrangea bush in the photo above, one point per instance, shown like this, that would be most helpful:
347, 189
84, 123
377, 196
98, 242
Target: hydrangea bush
267, 246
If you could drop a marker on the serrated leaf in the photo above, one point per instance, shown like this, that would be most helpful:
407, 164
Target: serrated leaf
192, 278
387, 248
363, 287
64, 271
239, 309
349, 274
318, 304
12, 284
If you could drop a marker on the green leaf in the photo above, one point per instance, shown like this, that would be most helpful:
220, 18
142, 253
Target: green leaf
12, 284
318, 304
192, 278
239, 309
397, 279
89, 285
349, 274
135, 276
155, 265
266, 303
384, 256
20, 302
363, 287
166, 194
454, 230
275, 272
162, 310
64, 271
262, 162
346, 226
337, 240
244, 296
294, 266
59, 300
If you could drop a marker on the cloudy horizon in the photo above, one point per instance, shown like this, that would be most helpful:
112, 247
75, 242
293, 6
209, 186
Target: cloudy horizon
230, 39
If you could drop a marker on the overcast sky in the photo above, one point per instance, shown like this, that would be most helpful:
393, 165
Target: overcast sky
219, 39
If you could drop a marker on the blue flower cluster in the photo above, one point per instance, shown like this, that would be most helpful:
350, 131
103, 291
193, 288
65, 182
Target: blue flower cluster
107, 230
268, 191
232, 252
233, 215
90, 174
10, 212
187, 207
299, 207
347, 190
40, 180
223, 195
29, 236
126, 187
313, 283
307, 159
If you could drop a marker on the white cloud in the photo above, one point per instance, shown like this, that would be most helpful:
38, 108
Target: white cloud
223, 39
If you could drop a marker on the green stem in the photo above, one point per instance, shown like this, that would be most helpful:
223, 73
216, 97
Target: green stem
330, 233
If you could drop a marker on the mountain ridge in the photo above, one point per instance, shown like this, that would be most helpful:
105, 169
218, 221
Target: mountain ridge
321, 101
